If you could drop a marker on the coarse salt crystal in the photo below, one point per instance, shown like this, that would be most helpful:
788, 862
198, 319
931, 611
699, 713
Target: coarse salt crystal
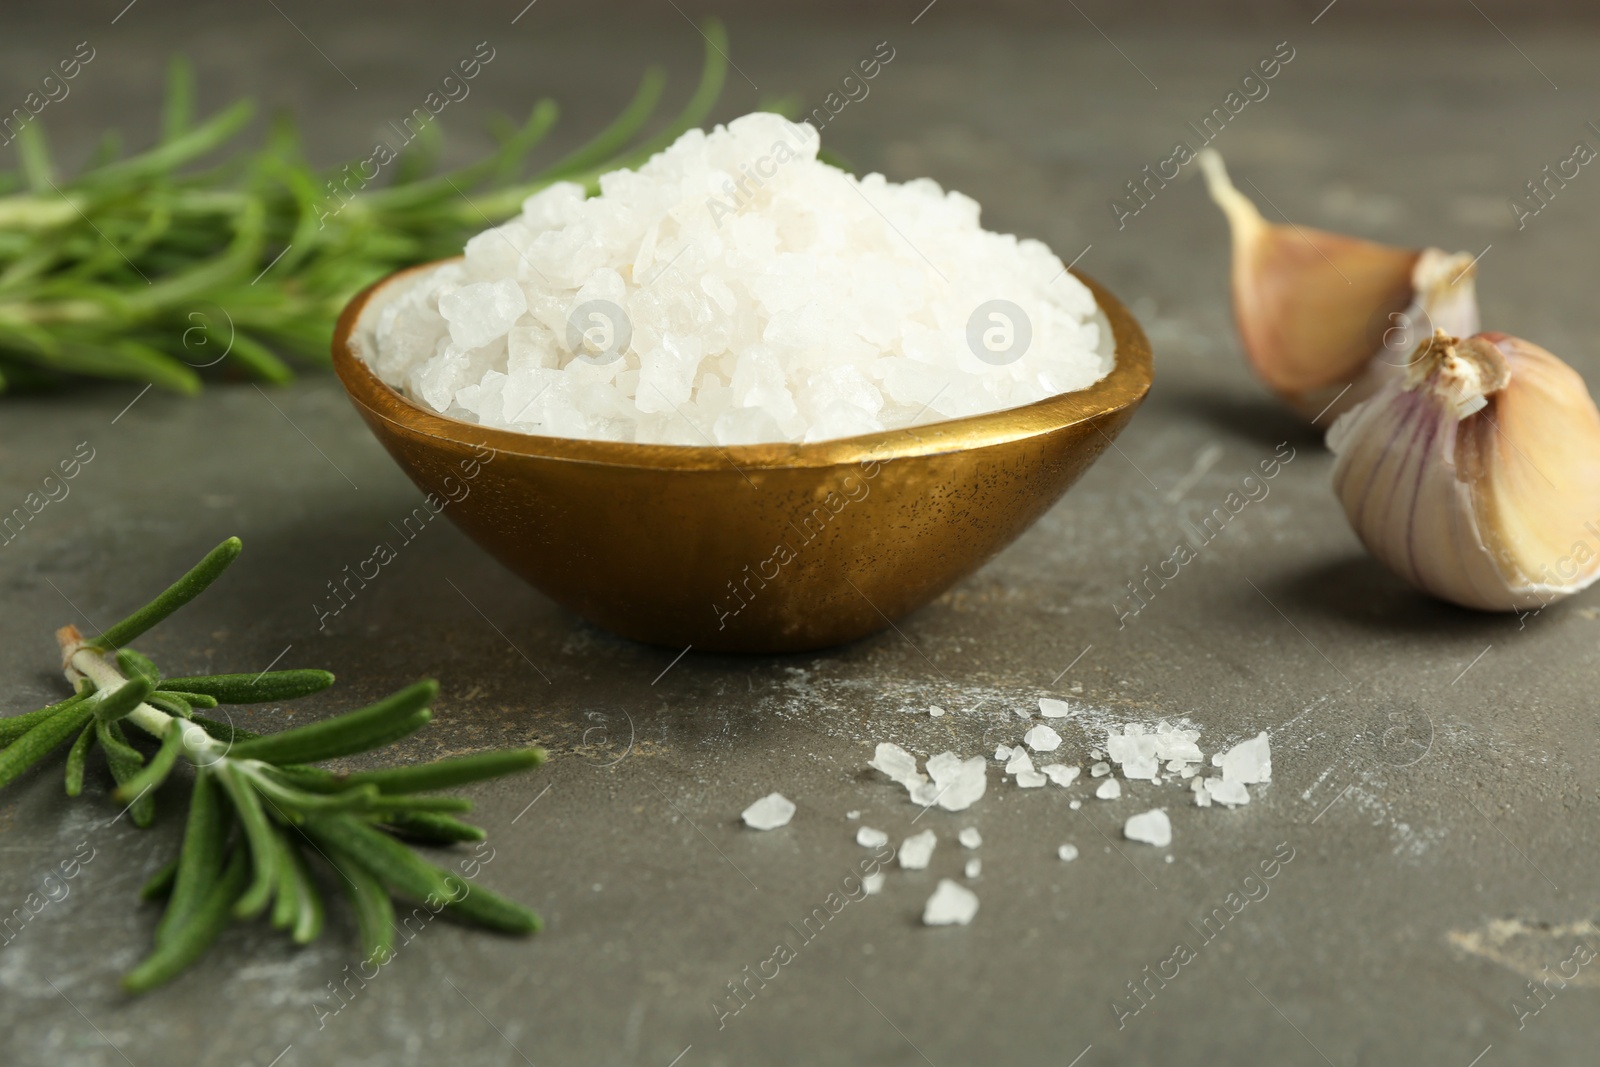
952, 904
867, 837
769, 813
936, 711
1100, 770
1227, 792
1002, 753
852, 815
896, 762
1060, 773
970, 837
1052, 708
1068, 853
1110, 789
974, 867
917, 850
1152, 827
1075, 805
1042, 739
873, 883
1248, 762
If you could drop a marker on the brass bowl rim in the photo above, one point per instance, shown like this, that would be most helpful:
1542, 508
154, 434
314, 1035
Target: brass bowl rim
1123, 387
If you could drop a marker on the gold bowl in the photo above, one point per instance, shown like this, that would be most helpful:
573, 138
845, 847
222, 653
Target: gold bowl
751, 548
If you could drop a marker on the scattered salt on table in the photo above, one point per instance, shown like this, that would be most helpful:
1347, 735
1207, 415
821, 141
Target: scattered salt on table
867, 837
1110, 789
1248, 762
873, 883
1051, 708
1226, 792
952, 904
970, 837
1068, 853
1060, 773
769, 813
1042, 739
935, 711
974, 867
917, 850
1152, 827
1100, 770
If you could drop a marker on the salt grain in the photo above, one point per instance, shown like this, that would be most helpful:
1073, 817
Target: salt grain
873, 883
769, 813
1248, 762
970, 837
1100, 770
1042, 739
1227, 792
1075, 805
1068, 853
917, 850
1060, 773
952, 904
936, 711
974, 867
1110, 789
867, 837
684, 305
1152, 827
1051, 708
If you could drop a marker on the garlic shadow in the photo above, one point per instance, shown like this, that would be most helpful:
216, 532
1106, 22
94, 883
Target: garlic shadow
1357, 589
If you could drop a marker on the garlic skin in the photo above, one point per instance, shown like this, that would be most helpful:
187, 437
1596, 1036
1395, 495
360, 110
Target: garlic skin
1474, 473
1325, 319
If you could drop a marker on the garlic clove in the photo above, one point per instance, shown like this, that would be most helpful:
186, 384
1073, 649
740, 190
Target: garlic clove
1474, 474
1326, 319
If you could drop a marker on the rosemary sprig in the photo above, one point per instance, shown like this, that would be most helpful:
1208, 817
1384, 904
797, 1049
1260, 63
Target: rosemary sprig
259, 813
152, 268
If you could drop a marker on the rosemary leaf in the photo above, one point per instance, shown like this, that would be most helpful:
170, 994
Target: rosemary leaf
160, 884
355, 731
131, 662
432, 828
38, 742
488, 908
265, 848
77, 758
200, 861
17, 725
253, 688
394, 863
114, 704
126, 762
190, 938
370, 899
174, 597
449, 773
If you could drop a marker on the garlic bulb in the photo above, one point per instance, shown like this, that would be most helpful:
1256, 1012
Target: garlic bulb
1326, 319
1474, 474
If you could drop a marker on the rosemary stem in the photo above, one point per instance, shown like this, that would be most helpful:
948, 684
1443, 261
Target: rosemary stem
201, 748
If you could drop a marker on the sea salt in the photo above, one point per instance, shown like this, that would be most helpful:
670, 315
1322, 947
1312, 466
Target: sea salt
970, 837
1152, 827
1099, 770
1042, 739
1075, 805
974, 867
867, 837
896, 762
1052, 708
1248, 762
1227, 792
1060, 773
1110, 789
917, 850
952, 904
852, 815
769, 813
873, 883
936, 711
959, 782
736, 290
1068, 853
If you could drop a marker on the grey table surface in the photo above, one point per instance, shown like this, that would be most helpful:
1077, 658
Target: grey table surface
1433, 769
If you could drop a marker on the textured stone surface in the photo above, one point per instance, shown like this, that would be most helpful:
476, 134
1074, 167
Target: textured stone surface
1422, 804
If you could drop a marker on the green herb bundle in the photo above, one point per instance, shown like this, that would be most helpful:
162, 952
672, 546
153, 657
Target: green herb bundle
260, 815
152, 267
